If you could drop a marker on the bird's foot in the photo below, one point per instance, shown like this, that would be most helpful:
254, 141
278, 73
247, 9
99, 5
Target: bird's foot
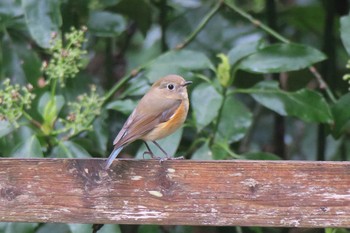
161, 159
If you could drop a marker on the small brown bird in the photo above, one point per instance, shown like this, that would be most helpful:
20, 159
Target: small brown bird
160, 112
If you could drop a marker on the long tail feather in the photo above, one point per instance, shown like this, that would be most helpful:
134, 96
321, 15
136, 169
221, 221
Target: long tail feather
112, 156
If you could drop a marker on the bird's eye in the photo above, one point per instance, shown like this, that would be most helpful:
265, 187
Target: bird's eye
170, 86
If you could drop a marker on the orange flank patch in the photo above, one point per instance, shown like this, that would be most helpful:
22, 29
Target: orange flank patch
168, 127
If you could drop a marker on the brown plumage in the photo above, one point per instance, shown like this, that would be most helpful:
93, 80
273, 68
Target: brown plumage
160, 112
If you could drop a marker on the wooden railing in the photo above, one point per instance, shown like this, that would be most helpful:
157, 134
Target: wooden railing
186, 192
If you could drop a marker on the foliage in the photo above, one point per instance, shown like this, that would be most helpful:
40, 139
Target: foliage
65, 59
14, 102
72, 71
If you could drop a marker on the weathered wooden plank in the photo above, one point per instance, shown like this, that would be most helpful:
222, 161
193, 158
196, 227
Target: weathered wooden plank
245, 193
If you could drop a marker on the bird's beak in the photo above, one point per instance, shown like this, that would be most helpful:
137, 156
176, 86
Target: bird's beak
187, 83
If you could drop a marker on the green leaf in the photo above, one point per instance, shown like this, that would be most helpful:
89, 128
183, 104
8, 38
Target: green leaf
99, 134
138, 10
234, 122
123, 106
106, 24
108, 228
79, 228
136, 87
11, 65
223, 71
83, 228
203, 153
206, 102
43, 17
5, 128
281, 58
177, 62
241, 51
29, 61
148, 229
341, 114
220, 151
345, 32
169, 144
9, 11
70, 149
49, 108
53, 228
16, 227
305, 104
31, 148
22, 63
260, 156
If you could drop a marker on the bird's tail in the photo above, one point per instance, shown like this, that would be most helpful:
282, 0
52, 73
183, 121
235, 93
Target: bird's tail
112, 156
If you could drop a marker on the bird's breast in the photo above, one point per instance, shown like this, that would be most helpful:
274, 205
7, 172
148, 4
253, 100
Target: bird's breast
166, 128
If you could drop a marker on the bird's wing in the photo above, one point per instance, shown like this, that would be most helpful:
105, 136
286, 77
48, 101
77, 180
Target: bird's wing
140, 123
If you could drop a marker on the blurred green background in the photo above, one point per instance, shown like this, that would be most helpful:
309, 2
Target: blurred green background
271, 81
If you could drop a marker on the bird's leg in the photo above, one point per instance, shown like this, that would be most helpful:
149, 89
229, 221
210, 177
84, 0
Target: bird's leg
148, 152
160, 148
166, 154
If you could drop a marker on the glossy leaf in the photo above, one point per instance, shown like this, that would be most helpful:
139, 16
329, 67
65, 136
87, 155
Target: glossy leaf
70, 149
169, 144
124, 106
16, 227
106, 24
22, 64
53, 228
99, 134
234, 122
79, 228
29, 60
5, 128
206, 102
203, 153
30, 148
11, 65
49, 108
305, 104
136, 87
345, 32
43, 17
108, 228
9, 10
220, 150
83, 228
243, 50
341, 113
281, 58
177, 62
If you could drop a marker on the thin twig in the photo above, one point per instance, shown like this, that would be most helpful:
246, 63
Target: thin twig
257, 22
31, 120
322, 84
201, 25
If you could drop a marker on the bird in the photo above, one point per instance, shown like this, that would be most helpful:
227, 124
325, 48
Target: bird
159, 113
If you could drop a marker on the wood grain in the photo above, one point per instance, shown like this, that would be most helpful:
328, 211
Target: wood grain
244, 193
